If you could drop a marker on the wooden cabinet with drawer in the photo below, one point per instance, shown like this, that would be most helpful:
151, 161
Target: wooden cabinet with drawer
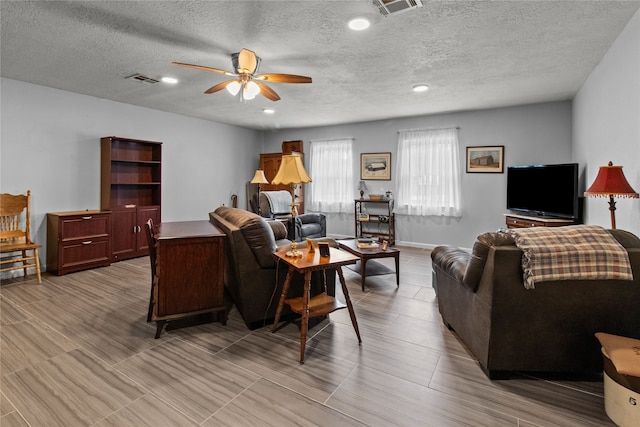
78, 240
521, 221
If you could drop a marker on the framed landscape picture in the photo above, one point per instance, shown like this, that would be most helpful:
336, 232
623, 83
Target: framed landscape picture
375, 166
485, 159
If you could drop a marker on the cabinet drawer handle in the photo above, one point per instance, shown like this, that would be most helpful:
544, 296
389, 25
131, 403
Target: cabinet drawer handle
88, 242
87, 217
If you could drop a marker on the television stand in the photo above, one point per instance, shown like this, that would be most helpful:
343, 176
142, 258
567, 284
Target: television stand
522, 221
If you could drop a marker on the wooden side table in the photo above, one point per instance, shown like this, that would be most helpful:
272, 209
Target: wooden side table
321, 304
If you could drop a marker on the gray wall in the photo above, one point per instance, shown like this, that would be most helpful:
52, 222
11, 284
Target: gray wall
50, 145
607, 125
531, 134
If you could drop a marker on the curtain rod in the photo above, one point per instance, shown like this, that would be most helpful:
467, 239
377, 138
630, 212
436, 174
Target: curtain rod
330, 139
415, 130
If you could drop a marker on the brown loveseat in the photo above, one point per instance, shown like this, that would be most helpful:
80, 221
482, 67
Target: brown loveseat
253, 278
551, 328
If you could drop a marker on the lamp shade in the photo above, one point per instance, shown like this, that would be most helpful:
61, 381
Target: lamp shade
362, 186
291, 171
259, 177
611, 181
233, 88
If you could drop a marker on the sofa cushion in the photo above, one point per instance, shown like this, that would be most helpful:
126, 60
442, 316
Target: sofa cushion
279, 229
312, 230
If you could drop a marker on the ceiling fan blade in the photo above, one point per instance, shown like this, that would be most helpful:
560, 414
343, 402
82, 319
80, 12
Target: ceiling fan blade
247, 61
283, 78
200, 67
219, 86
267, 92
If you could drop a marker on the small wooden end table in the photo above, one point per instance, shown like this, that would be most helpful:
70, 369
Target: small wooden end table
321, 304
366, 254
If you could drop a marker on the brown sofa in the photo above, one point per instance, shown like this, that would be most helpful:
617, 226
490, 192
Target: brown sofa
551, 328
253, 278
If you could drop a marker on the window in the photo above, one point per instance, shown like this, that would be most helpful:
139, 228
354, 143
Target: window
331, 167
428, 173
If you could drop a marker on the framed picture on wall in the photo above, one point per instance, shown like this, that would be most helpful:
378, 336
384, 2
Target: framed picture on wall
375, 166
485, 159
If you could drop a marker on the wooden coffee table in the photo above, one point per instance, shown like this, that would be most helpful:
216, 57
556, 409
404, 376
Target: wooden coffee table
375, 268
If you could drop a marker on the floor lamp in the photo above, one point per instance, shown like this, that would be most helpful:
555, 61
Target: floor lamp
611, 182
292, 172
259, 179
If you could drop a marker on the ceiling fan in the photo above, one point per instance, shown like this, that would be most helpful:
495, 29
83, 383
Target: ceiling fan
246, 81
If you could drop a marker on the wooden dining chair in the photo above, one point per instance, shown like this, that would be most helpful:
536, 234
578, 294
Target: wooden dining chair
151, 240
15, 234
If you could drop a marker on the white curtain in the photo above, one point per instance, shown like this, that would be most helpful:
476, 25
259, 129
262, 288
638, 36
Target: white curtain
428, 173
331, 171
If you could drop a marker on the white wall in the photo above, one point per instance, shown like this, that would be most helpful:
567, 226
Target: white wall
607, 125
50, 144
531, 134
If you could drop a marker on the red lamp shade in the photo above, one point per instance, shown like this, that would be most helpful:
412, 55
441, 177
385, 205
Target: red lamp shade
611, 182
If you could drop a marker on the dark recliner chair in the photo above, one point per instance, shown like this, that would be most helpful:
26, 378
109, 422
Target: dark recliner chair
253, 278
277, 205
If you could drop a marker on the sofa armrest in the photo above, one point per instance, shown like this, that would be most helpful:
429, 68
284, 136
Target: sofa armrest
451, 260
308, 218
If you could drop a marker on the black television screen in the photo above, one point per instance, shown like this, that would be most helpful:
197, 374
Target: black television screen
543, 190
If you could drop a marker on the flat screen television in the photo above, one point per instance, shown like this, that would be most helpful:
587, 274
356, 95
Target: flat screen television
549, 191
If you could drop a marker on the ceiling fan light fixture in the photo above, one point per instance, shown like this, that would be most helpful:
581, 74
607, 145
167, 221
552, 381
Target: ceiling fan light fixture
359, 24
420, 88
251, 89
245, 64
233, 88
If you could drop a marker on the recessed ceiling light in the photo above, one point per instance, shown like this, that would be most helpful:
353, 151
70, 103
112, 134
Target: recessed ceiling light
420, 88
268, 111
359, 24
170, 80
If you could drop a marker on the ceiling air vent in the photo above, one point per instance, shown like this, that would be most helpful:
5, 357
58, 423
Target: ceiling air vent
142, 79
392, 7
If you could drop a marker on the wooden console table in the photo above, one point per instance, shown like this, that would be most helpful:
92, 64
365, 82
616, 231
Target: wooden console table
521, 221
321, 304
189, 271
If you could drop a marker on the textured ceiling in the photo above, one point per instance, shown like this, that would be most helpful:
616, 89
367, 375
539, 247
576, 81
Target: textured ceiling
472, 54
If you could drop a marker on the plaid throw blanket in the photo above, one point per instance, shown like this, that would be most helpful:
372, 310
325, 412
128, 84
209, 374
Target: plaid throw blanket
577, 252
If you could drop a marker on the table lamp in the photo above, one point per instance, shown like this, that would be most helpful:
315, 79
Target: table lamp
259, 179
362, 187
611, 182
291, 172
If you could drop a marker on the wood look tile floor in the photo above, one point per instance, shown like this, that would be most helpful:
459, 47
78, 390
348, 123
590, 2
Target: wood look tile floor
77, 351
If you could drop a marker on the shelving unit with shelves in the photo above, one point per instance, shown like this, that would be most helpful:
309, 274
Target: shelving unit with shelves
131, 187
375, 219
